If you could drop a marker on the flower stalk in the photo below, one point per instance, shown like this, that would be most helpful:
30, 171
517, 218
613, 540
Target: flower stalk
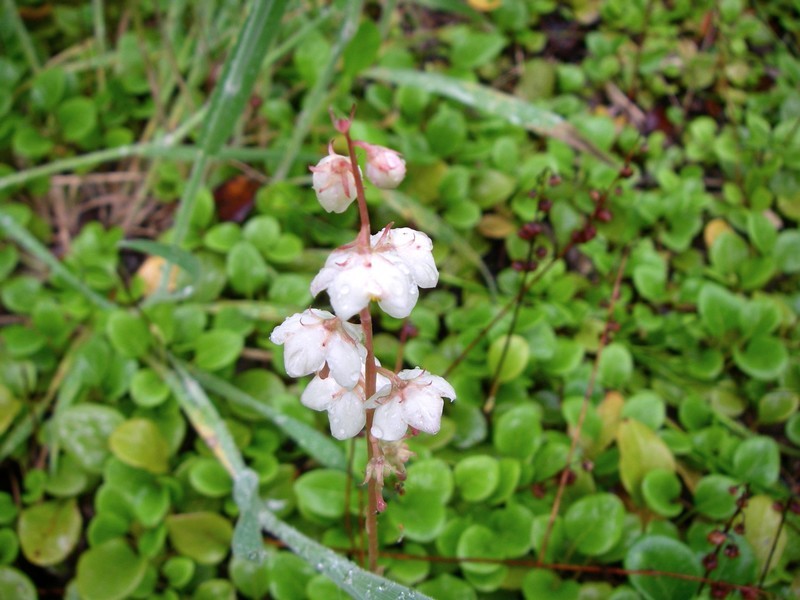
387, 267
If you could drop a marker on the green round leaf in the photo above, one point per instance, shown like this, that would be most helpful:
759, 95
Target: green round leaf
246, 269
77, 117
148, 389
217, 349
204, 537
594, 523
83, 431
110, 571
777, 406
179, 570
660, 488
616, 366
515, 360
222, 237
48, 88
476, 477
48, 532
478, 541
646, 407
540, 584
787, 251
758, 461
447, 587
663, 554
321, 494
713, 497
210, 478
215, 589
764, 358
431, 477
517, 432
250, 578
140, 443
793, 429
418, 516
128, 334
513, 526
15, 584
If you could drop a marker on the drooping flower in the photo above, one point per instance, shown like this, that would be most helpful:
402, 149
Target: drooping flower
391, 272
414, 399
333, 182
346, 407
385, 168
316, 337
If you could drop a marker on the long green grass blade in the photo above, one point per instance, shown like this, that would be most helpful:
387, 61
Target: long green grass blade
346, 574
515, 111
228, 99
320, 447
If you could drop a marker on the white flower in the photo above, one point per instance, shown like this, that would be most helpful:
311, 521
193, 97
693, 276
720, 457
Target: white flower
414, 249
385, 168
315, 337
397, 264
346, 407
333, 182
415, 400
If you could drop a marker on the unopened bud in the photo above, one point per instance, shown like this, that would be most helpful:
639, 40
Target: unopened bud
603, 215
385, 168
626, 172
333, 182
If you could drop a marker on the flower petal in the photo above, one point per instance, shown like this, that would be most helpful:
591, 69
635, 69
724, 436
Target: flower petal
422, 409
320, 393
345, 360
388, 424
304, 352
347, 416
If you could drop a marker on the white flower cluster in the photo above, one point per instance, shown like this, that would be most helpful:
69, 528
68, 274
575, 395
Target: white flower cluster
390, 270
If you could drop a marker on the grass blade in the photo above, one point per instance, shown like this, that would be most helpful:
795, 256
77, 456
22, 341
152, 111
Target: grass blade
351, 578
514, 110
317, 445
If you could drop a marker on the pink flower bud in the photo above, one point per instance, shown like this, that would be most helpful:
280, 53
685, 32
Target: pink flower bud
385, 168
333, 182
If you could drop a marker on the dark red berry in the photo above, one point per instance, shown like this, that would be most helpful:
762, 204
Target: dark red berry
733, 490
569, 477
533, 194
731, 550
541, 252
626, 172
603, 215
554, 180
739, 528
530, 230
596, 196
795, 507
719, 590
589, 233
545, 204
710, 561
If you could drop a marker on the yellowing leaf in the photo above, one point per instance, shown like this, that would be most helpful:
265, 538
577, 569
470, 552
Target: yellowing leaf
762, 524
485, 5
150, 272
609, 410
713, 229
640, 451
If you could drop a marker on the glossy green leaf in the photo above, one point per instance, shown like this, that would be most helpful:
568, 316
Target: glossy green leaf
247, 271
515, 358
777, 406
205, 537
128, 333
210, 478
139, 443
77, 117
110, 571
787, 252
660, 489
715, 496
764, 357
15, 584
148, 389
477, 477
49, 532
757, 460
84, 429
217, 349
321, 494
478, 541
594, 523
718, 308
616, 366
540, 583
666, 555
